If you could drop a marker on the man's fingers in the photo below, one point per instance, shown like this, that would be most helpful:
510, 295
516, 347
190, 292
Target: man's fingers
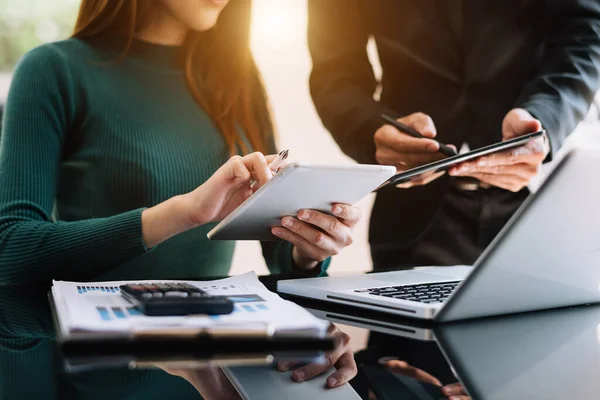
421, 180
415, 160
524, 171
454, 389
420, 122
531, 153
405, 161
403, 368
512, 183
390, 137
519, 122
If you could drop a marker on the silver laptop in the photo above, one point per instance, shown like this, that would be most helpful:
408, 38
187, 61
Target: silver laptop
547, 256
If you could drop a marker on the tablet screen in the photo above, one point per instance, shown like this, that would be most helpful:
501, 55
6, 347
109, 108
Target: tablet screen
446, 163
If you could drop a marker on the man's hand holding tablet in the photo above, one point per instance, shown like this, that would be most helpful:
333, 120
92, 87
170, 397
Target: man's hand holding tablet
511, 169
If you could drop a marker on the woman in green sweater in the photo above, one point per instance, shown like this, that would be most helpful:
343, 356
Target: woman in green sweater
108, 154
111, 140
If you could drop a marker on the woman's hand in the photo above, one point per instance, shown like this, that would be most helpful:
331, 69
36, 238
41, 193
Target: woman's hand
209, 381
229, 187
317, 236
212, 201
341, 358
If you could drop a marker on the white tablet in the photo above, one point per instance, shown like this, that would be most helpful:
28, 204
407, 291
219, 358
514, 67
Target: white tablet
299, 186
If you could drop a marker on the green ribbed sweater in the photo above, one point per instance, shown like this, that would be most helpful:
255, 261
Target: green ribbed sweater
86, 145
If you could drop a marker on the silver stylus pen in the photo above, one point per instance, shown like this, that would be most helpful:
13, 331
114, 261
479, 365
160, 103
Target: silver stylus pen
276, 164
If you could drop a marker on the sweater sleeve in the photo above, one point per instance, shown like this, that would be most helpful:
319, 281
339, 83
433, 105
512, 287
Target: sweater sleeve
40, 112
342, 83
561, 92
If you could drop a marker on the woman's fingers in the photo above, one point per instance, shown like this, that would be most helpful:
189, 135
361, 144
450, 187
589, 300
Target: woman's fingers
349, 214
286, 365
331, 359
271, 157
346, 370
258, 166
332, 226
317, 248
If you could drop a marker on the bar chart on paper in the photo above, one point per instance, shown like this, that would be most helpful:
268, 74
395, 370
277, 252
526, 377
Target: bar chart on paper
110, 309
109, 313
86, 308
97, 289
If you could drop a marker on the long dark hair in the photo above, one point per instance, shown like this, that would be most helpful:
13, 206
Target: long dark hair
218, 65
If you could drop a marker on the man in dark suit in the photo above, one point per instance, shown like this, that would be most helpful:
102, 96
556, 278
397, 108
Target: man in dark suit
462, 71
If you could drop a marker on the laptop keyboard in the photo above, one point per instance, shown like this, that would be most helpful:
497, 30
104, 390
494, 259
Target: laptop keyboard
428, 293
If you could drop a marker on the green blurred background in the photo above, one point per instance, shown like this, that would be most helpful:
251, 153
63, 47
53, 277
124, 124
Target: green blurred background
26, 24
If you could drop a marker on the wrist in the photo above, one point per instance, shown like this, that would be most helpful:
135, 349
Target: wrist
301, 261
165, 220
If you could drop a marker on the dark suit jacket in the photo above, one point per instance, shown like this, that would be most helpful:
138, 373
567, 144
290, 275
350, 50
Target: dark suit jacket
466, 63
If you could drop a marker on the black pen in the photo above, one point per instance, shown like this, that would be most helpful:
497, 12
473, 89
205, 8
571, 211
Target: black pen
448, 151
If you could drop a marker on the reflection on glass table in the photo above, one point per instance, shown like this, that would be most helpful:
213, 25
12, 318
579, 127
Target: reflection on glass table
32, 363
542, 355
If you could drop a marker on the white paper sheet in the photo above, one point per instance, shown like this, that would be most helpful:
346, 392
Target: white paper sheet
98, 309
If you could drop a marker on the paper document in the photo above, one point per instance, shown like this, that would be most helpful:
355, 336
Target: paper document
89, 309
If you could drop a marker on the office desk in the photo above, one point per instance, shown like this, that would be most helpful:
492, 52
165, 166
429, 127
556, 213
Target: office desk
546, 355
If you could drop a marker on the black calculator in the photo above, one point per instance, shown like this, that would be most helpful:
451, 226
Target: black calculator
166, 299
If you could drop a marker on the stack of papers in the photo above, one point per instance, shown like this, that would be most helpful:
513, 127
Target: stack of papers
91, 310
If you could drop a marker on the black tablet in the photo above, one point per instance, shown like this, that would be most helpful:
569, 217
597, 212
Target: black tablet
446, 163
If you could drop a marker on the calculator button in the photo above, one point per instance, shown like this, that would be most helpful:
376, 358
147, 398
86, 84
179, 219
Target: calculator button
157, 295
177, 286
146, 295
196, 294
187, 286
176, 294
